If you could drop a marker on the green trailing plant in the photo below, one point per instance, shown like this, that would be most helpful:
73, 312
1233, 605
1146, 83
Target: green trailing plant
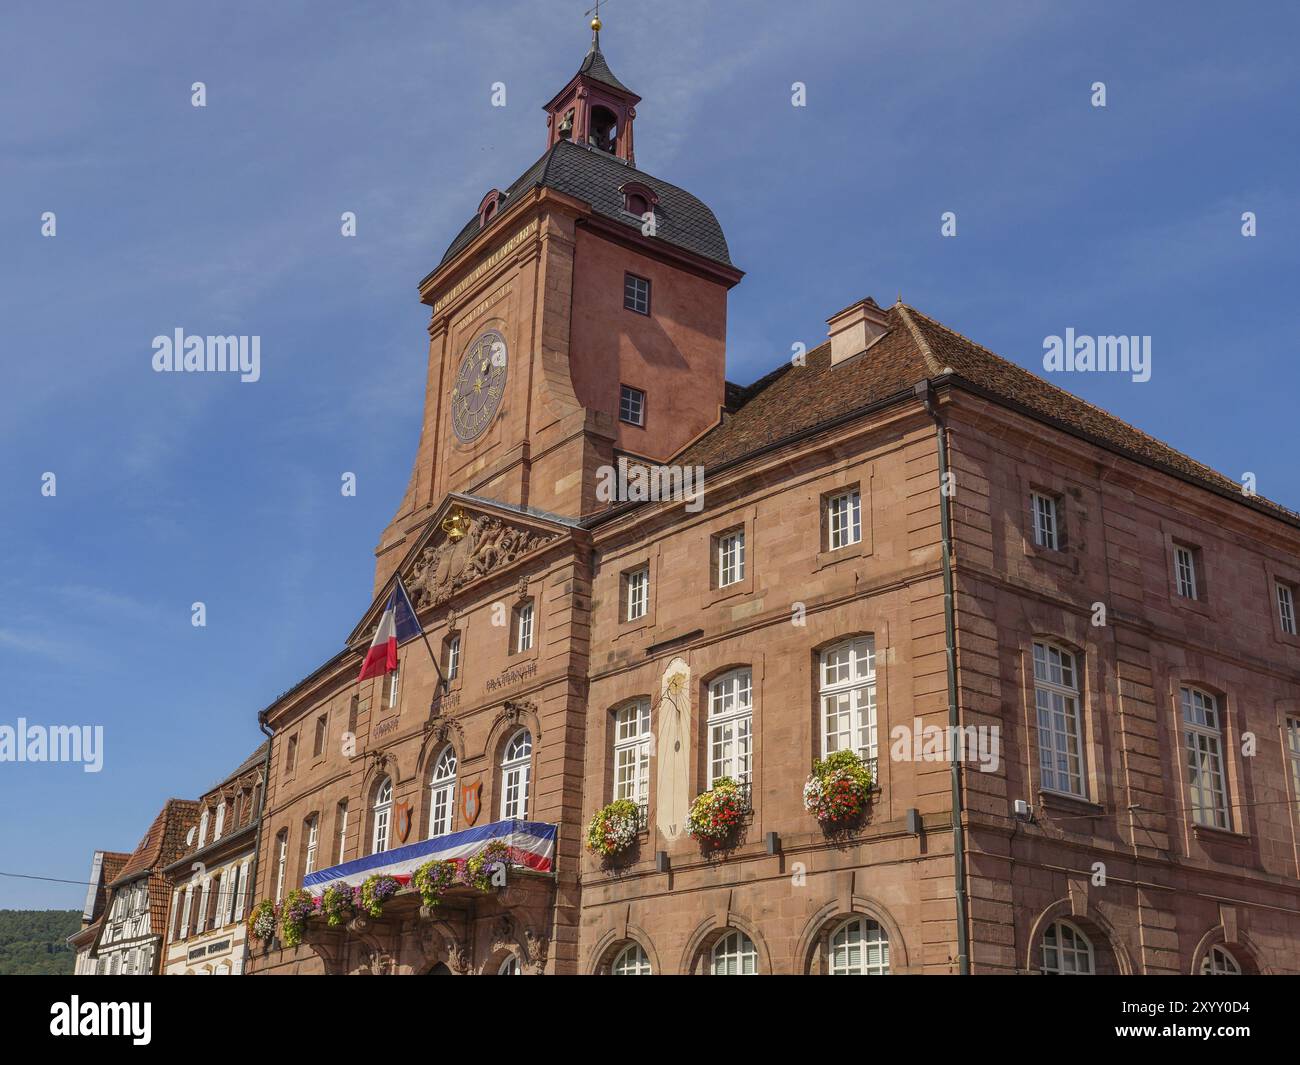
298, 907
478, 870
337, 905
433, 879
377, 890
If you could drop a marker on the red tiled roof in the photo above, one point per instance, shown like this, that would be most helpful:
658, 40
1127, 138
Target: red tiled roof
162, 844
793, 400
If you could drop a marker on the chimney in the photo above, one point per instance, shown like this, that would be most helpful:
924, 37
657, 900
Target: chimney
855, 329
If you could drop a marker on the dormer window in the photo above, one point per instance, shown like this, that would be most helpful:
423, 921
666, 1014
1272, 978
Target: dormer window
638, 199
487, 209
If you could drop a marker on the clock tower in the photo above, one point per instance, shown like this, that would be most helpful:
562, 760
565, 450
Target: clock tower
578, 316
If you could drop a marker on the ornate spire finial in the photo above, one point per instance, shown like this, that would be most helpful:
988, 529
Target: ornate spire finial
595, 26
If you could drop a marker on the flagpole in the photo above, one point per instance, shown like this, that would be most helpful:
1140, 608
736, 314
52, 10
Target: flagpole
442, 681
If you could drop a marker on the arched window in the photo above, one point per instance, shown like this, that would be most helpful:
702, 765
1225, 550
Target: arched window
731, 724
604, 128
383, 812
442, 803
859, 947
510, 967
1066, 951
516, 773
1060, 730
341, 820
630, 961
281, 861
1203, 739
313, 841
734, 955
848, 696
1220, 962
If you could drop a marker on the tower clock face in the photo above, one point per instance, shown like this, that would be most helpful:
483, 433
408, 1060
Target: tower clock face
480, 386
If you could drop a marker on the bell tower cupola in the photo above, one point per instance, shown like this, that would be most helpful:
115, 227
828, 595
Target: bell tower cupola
594, 109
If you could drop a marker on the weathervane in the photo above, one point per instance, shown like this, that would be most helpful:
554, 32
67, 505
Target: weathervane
595, 23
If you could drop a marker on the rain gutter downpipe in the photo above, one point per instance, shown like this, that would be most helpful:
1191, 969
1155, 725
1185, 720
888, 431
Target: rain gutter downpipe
925, 390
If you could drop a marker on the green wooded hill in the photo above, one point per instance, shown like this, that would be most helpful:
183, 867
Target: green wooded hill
34, 942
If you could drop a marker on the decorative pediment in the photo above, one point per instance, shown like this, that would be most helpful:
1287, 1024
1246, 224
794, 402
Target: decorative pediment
471, 546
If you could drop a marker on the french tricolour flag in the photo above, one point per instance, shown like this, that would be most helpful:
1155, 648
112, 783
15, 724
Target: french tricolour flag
397, 625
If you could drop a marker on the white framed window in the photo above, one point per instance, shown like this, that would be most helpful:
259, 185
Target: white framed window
636, 294
510, 967
203, 827
636, 593
383, 813
235, 878
524, 627
341, 819
859, 947
1203, 736
221, 821
313, 840
516, 774
731, 558
844, 520
1218, 961
281, 863
632, 752
731, 726
734, 955
1185, 571
203, 906
1286, 608
631, 405
453, 657
1045, 523
394, 687
442, 801
1293, 755
848, 698
631, 961
1066, 951
1060, 727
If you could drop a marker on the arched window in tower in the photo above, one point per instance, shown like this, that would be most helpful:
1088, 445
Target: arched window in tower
565, 130
443, 797
516, 771
383, 812
604, 129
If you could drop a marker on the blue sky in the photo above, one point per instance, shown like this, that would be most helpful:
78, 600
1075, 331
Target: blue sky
181, 488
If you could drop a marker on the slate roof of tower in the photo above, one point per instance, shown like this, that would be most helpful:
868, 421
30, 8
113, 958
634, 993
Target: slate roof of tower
595, 67
791, 400
594, 177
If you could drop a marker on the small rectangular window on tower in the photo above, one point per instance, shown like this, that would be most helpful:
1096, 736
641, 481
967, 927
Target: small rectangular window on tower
631, 405
1286, 608
636, 294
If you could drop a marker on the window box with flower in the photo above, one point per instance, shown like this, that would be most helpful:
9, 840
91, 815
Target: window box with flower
838, 789
613, 829
717, 813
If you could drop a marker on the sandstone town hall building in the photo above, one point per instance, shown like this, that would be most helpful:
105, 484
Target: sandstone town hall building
903, 531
